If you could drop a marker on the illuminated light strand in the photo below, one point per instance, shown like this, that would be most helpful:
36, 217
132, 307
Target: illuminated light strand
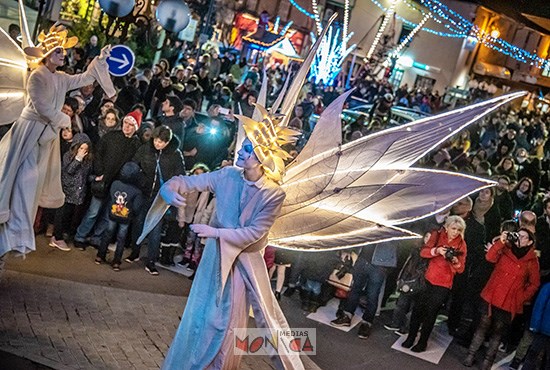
465, 28
387, 18
13, 64
395, 53
286, 28
513, 51
276, 24
429, 30
316, 16
327, 63
346, 20
496, 44
295, 4
13, 94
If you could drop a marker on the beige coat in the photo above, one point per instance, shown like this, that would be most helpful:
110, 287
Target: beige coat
30, 163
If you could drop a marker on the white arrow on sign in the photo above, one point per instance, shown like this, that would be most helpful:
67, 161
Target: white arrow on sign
123, 62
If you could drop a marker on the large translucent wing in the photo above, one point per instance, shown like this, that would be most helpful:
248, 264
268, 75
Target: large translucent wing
292, 94
334, 168
327, 134
262, 99
396, 148
348, 233
424, 135
387, 197
428, 192
26, 40
13, 72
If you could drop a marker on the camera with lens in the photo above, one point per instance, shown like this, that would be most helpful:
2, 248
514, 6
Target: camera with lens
450, 253
512, 238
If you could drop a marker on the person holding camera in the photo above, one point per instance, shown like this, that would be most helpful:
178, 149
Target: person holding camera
446, 251
513, 282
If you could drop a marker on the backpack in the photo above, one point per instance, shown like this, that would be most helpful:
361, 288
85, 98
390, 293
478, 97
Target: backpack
119, 209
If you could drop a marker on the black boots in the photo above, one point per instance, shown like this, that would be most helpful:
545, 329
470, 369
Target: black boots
167, 252
310, 301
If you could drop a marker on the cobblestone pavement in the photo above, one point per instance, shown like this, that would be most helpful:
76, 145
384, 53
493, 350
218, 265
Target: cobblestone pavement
69, 325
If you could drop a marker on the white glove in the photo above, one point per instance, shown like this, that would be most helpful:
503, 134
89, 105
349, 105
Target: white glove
105, 52
205, 231
171, 195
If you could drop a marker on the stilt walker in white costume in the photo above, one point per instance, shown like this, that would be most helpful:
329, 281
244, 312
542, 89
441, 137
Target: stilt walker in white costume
30, 165
331, 196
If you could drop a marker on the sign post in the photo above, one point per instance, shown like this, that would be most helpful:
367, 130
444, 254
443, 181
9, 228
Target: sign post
121, 61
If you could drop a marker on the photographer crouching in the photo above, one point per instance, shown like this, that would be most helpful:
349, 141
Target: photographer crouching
513, 282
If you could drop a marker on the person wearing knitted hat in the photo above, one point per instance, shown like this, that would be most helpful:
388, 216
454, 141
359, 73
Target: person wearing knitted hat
134, 118
30, 165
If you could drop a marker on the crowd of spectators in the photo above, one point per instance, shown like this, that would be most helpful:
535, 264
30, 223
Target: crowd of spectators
179, 119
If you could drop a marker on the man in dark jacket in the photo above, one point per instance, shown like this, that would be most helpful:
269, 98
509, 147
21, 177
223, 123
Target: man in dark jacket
503, 199
115, 148
468, 286
171, 109
159, 160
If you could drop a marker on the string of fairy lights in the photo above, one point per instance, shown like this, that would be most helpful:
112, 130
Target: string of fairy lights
456, 25
387, 17
333, 50
395, 53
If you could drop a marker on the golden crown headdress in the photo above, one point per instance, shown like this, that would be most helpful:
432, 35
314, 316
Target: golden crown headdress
268, 131
268, 136
55, 38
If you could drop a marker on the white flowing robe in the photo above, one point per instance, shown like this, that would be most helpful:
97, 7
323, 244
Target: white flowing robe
232, 274
30, 163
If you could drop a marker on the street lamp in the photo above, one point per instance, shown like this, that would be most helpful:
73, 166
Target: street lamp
172, 15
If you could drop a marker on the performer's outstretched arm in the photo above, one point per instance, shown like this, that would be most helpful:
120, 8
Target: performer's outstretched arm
98, 70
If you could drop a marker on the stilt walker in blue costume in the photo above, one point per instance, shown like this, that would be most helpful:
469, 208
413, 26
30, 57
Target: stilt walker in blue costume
331, 196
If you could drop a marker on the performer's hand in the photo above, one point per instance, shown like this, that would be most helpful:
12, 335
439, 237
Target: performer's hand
105, 52
171, 193
99, 178
205, 231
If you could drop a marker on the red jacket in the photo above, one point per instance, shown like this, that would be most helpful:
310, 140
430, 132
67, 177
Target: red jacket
441, 272
513, 281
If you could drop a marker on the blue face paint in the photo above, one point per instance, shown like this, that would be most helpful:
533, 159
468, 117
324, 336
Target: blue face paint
248, 148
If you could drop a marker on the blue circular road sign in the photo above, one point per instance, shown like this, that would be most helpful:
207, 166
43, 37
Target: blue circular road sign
121, 61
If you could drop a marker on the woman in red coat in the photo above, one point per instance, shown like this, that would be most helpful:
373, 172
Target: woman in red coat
513, 282
443, 266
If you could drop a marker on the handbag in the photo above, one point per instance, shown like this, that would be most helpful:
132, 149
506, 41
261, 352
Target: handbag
414, 284
98, 189
412, 279
342, 276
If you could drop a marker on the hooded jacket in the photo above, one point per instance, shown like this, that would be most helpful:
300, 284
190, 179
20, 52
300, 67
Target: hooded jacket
125, 198
74, 173
170, 162
514, 281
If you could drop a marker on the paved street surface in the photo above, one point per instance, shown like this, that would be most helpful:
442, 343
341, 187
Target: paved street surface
59, 310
